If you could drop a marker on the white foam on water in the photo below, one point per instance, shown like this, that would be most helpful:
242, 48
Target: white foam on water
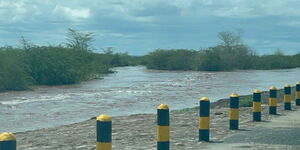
22, 100
134, 91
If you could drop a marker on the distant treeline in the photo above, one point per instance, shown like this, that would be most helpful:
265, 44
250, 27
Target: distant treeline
55, 65
217, 59
231, 54
75, 60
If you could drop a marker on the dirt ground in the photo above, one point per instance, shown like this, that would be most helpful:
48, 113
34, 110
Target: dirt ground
138, 132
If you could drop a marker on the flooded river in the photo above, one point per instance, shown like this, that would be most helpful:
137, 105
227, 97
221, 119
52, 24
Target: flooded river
130, 90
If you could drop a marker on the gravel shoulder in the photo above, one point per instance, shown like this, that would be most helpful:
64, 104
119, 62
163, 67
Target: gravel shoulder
138, 132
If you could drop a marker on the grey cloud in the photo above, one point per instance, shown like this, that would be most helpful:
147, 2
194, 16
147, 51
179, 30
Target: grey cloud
139, 26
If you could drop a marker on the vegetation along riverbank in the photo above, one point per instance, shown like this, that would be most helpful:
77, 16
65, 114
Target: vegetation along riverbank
230, 54
75, 61
56, 65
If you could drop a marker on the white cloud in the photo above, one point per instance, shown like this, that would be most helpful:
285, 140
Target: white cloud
72, 14
144, 10
149, 21
11, 11
240, 8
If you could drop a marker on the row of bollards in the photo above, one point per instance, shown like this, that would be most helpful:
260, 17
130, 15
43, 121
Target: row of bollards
104, 123
163, 122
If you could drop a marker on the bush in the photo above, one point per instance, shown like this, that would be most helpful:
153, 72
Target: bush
14, 71
56, 65
231, 54
170, 59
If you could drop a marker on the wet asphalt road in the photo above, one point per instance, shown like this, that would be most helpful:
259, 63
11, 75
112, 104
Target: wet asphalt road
282, 132
264, 135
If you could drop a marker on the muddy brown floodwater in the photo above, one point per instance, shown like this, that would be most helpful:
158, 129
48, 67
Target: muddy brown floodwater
131, 90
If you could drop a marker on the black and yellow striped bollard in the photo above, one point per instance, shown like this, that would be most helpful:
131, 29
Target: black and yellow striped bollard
298, 93
204, 119
256, 107
234, 112
8, 141
104, 125
163, 127
273, 101
287, 97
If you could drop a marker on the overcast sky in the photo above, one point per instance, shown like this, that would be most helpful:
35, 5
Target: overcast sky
141, 26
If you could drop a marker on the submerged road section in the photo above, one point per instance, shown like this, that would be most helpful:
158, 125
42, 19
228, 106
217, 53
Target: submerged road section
280, 133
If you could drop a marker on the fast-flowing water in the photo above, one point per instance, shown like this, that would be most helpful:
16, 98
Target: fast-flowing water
130, 90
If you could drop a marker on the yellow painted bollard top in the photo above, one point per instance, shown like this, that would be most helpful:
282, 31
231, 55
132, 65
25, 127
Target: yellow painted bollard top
163, 106
204, 99
256, 91
103, 117
7, 136
287, 85
234, 95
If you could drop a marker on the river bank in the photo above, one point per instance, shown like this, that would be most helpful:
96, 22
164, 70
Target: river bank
139, 131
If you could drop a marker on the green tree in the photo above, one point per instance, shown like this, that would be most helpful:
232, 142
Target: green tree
79, 40
229, 39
